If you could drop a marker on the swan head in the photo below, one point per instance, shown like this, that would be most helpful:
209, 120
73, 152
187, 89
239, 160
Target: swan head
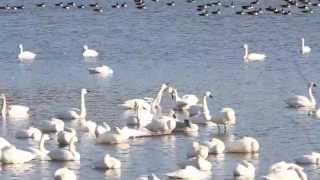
85, 47
245, 46
209, 94
164, 85
20, 46
312, 84
2, 96
84, 91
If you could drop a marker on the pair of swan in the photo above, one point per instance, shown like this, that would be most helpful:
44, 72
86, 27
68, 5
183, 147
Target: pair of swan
313, 158
184, 102
198, 150
244, 145
285, 171
64, 174
11, 155
304, 49
31, 132
14, 111
103, 70
89, 53
249, 57
216, 146
75, 113
303, 101
245, 169
108, 162
25, 55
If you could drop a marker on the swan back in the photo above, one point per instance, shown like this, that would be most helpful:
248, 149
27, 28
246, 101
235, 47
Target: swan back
244, 169
64, 174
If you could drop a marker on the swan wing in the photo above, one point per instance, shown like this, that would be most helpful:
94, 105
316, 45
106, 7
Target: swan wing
298, 101
61, 155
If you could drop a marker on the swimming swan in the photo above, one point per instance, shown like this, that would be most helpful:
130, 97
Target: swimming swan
184, 102
64, 137
303, 101
163, 124
304, 49
248, 57
244, 169
313, 158
64, 174
75, 113
42, 152
113, 137
104, 70
228, 118
108, 162
244, 145
198, 150
31, 132
14, 111
52, 125
12, 155
189, 172
89, 52
25, 55
216, 146
142, 118
285, 171
66, 154
198, 162
203, 117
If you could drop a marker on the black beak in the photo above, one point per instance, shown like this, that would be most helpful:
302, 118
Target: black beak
314, 85
174, 116
89, 90
172, 96
210, 96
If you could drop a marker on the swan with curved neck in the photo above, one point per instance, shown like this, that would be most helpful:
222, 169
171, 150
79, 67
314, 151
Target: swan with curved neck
183, 102
66, 154
204, 116
89, 52
14, 111
75, 113
25, 55
108, 162
303, 101
31, 132
64, 137
248, 57
42, 152
304, 49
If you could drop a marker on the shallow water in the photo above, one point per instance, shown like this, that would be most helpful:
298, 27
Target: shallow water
149, 47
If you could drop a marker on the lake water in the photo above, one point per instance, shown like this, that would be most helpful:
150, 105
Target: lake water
146, 48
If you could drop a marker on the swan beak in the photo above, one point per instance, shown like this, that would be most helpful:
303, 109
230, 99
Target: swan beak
172, 96
174, 116
210, 96
314, 85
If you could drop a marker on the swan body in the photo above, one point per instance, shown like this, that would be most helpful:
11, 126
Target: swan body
14, 111
110, 137
100, 129
198, 162
303, 101
66, 154
64, 137
108, 163
228, 118
248, 57
186, 126
183, 102
163, 124
198, 150
89, 52
42, 152
243, 145
64, 174
104, 70
12, 155
313, 158
304, 49
25, 55
245, 169
75, 113
285, 171
52, 125
31, 132
189, 172
142, 118
216, 146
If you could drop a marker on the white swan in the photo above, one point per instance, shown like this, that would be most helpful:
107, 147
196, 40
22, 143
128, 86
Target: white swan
189, 172
304, 49
66, 154
245, 169
25, 55
248, 57
52, 125
184, 102
216, 146
228, 118
14, 111
244, 145
143, 117
75, 113
164, 124
285, 171
89, 52
113, 137
12, 155
186, 126
64, 174
108, 162
100, 129
104, 70
313, 158
31, 132
303, 101
198, 162
198, 150
64, 137
4, 143
42, 152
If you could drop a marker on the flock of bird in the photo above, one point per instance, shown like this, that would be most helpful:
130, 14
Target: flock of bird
146, 117
252, 8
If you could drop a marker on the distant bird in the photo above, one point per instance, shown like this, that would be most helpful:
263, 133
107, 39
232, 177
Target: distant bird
218, 11
41, 5
172, 3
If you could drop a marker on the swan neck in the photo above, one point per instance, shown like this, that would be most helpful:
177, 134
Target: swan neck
158, 98
41, 144
302, 43
4, 107
313, 101
72, 148
21, 49
205, 108
83, 110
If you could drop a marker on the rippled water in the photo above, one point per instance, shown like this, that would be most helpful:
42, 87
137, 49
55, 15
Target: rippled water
149, 47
